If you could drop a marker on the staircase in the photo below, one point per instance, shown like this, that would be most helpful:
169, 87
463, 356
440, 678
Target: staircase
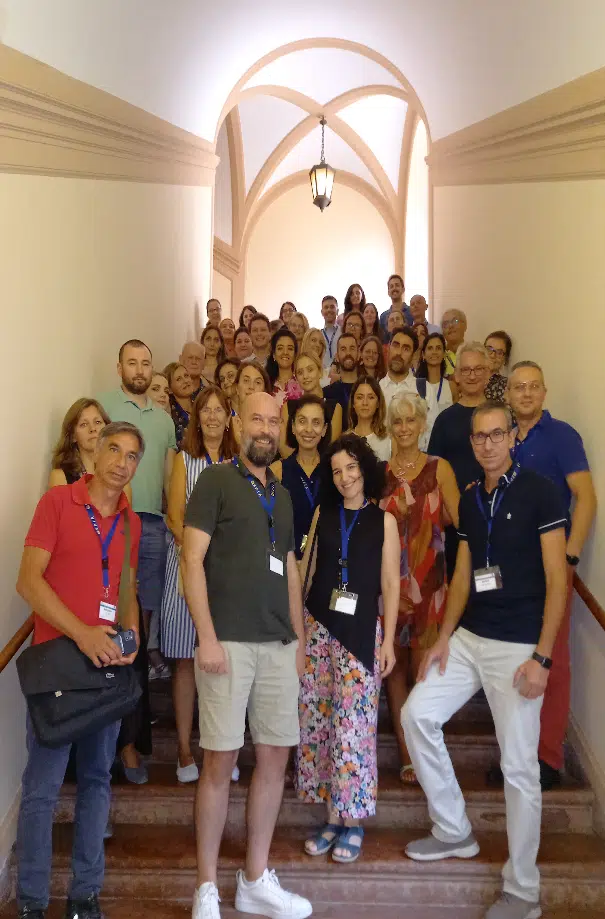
150, 862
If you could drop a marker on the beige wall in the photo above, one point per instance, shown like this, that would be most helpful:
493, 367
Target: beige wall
531, 259
222, 290
85, 265
297, 253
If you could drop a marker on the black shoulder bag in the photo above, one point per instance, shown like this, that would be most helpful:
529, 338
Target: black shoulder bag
67, 696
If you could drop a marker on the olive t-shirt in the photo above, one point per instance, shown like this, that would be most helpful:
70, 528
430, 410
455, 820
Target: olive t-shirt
248, 602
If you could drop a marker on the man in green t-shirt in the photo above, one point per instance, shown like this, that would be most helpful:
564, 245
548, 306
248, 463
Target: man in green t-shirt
243, 591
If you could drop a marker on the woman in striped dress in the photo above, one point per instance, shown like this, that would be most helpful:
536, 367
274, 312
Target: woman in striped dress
207, 440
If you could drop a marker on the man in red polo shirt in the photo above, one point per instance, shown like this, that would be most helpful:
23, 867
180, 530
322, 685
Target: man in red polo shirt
70, 576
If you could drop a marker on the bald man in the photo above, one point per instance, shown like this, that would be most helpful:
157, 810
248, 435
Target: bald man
453, 323
192, 358
243, 591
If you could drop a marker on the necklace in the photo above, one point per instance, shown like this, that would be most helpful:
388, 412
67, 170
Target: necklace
404, 466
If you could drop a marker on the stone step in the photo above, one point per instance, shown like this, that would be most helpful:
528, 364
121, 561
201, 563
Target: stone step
471, 745
163, 801
159, 864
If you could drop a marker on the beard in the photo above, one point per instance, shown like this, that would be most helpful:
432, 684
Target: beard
397, 365
138, 385
260, 454
348, 363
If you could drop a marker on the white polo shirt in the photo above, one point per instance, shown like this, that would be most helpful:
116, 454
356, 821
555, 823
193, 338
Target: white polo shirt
390, 388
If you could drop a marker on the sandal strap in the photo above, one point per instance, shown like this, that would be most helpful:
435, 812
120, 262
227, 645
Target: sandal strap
349, 831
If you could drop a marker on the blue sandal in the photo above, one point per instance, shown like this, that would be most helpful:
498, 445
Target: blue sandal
323, 845
344, 842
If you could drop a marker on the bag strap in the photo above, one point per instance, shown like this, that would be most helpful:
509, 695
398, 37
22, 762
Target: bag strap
124, 592
310, 559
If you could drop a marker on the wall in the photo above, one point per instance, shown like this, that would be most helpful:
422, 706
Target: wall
85, 265
297, 253
529, 258
222, 290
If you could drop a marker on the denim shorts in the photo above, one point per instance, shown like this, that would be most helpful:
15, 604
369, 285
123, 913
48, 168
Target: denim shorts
152, 561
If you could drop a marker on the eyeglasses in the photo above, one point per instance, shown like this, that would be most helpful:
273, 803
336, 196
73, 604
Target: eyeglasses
212, 412
449, 322
498, 352
496, 436
534, 386
472, 371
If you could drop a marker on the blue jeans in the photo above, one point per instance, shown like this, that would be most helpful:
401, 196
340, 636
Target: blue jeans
152, 562
42, 780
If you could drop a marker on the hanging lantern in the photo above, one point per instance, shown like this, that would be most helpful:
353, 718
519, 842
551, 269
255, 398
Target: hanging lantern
322, 177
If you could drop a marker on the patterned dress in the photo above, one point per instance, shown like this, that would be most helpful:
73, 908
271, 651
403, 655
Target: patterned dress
177, 632
418, 508
181, 420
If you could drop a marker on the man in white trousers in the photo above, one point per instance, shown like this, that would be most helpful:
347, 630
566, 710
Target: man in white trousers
505, 604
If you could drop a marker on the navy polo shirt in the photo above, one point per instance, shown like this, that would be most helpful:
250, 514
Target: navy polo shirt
554, 449
530, 506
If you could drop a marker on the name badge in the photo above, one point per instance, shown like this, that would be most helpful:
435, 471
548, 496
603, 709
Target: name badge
342, 601
488, 579
107, 612
275, 563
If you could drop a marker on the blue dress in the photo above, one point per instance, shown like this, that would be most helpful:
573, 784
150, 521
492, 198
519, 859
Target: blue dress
303, 491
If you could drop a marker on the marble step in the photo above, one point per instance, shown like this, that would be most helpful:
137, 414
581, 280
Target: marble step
567, 809
158, 863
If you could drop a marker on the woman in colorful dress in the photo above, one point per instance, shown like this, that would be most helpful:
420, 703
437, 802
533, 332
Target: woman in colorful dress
347, 656
280, 366
207, 440
181, 388
422, 495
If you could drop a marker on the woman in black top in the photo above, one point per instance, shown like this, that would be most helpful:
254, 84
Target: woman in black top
346, 654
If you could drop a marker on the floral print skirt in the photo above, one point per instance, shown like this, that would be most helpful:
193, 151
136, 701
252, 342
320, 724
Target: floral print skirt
338, 707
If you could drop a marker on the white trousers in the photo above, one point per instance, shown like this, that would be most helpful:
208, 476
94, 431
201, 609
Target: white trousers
473, 663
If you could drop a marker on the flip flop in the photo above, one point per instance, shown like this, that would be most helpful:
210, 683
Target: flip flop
408, 771
323, 845
344, 842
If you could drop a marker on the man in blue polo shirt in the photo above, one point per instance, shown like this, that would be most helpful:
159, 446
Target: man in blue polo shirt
508, 598
555, 450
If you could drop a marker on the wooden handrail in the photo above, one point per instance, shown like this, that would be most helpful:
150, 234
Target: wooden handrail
589, 599
12, 646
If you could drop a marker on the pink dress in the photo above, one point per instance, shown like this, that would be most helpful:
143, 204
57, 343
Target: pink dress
292, 390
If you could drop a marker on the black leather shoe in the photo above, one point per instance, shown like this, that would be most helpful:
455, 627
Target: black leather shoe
27, 913
84, 909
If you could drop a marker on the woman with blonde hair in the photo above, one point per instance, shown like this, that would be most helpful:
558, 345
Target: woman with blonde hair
371, 358
299, 325
181, 386
314, 340
207, 440
73, 455
422, 494
367, 416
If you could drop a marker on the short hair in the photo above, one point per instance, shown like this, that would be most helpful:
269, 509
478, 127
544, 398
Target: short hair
378, 421
531, 364
343, 336
193, 440
213, 300
305, 343
409, 331
248, 306
226, 360
272, 366
133, 343
261, 370
459, 313
122, 427
240, 331
258, 316
491, 406
276, 324
505, 337
294, 406
380, 366
372, 470
65, 454
471, 347
406, 399
398, 276
329, 297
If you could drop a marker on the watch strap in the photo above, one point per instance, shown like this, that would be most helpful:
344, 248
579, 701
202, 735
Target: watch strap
545, 662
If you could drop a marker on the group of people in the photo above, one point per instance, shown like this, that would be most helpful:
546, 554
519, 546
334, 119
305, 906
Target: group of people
314, 512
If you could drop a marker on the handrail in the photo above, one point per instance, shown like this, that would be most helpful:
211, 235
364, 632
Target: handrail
589, 599
13, 645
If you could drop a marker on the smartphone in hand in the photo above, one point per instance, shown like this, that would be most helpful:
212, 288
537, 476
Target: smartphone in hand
126, 641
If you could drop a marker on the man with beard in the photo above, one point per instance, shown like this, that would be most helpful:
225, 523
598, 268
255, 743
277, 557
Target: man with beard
243, 591
396, 290
347, 355
399, 378
131, 403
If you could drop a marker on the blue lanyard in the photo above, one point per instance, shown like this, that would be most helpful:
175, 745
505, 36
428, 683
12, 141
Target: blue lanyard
345, 535
311, 494
105, 544
330, 341
439, 390
268, 505
209, 461
494, 508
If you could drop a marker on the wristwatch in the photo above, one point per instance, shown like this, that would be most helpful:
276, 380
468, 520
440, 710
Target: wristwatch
545, 662
572, 560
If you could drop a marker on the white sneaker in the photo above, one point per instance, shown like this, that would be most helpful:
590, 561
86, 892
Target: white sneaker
205, 902
266, 897
235, 774
188, 773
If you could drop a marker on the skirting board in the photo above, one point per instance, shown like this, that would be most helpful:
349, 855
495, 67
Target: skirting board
8, 832
595, 772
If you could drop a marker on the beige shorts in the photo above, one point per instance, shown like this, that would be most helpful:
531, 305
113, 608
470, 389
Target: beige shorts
262, 678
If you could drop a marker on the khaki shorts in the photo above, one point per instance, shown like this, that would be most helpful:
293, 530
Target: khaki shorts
262, 678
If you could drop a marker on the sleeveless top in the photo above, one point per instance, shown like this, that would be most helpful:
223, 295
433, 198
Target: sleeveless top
70, 476
356, 633
193, 468
294, 478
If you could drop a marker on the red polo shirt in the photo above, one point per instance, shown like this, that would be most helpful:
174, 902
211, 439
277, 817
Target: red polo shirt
62, 527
